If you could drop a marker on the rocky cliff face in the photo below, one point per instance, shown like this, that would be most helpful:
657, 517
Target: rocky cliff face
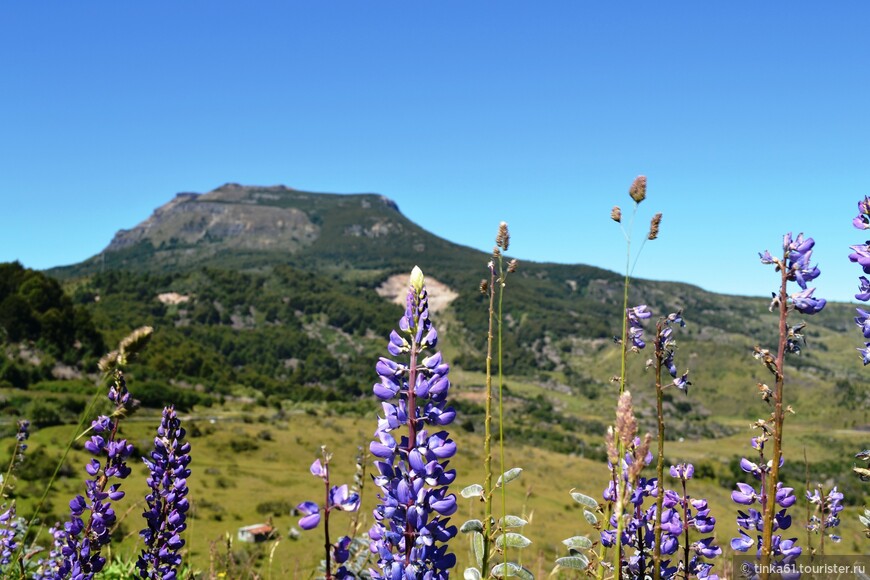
232, 217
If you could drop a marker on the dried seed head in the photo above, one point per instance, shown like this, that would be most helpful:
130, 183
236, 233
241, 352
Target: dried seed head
484, 286
503, 239
654, 226
637, 191
616, 214
626, 424
512, 266
496, 252
639, 462
133, 344
109, 362
612, 454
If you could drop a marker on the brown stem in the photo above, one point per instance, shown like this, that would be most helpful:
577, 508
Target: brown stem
685, 503
327, 545
809, 506
410, 532
773, 478
660, 466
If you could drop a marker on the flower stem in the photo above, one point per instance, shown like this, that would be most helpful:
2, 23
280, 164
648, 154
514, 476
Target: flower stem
660, 465
685, 502
410, 532
326, 543
773, 476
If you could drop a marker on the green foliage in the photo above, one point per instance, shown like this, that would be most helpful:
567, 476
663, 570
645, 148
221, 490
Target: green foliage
276, 507
34, 308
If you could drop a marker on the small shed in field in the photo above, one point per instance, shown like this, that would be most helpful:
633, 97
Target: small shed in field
256, 533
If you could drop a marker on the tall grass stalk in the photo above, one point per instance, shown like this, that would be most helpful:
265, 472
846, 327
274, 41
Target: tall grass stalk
497, 282
502, 240
487, 429
637, 191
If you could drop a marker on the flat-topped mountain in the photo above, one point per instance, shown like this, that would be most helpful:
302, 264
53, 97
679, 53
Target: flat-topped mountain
248, 227
252, 218
251, 259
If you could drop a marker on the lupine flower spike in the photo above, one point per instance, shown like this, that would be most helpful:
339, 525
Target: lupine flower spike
751, 521
167, 501
826, 516
680, 514
82, 540
794, 266
411, 527
861, 255
338, 497
11, 526
665, 351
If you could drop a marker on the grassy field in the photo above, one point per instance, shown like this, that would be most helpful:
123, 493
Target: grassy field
245, 457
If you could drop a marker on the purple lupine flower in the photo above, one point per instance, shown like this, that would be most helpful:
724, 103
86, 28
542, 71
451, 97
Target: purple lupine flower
47, 568
861, 255
413, 516
10, 527
863, 289
805, 303
797, 253
830, 507
752, 521
82, 541
338, 497
635, 329
167, 501
695, 514
666, 347
680, 513
21, 436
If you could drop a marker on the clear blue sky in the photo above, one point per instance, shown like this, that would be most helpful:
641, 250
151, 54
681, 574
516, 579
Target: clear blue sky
750, 120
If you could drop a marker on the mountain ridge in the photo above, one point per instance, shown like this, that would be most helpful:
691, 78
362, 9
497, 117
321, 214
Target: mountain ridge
558, 318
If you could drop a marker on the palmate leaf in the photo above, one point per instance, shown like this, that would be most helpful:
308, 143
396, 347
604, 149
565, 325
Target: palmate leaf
512, 540
510, 569
471, 574
472, 526
508, 476
578, 562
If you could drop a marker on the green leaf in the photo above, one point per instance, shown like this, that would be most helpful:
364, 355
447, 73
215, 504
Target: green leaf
508, 476
512, 540
590, 517
863, 520
477, 548
504, 570
578, 543
471, 574
578, 562
512, 522
473, 490
471, 526
584, 500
